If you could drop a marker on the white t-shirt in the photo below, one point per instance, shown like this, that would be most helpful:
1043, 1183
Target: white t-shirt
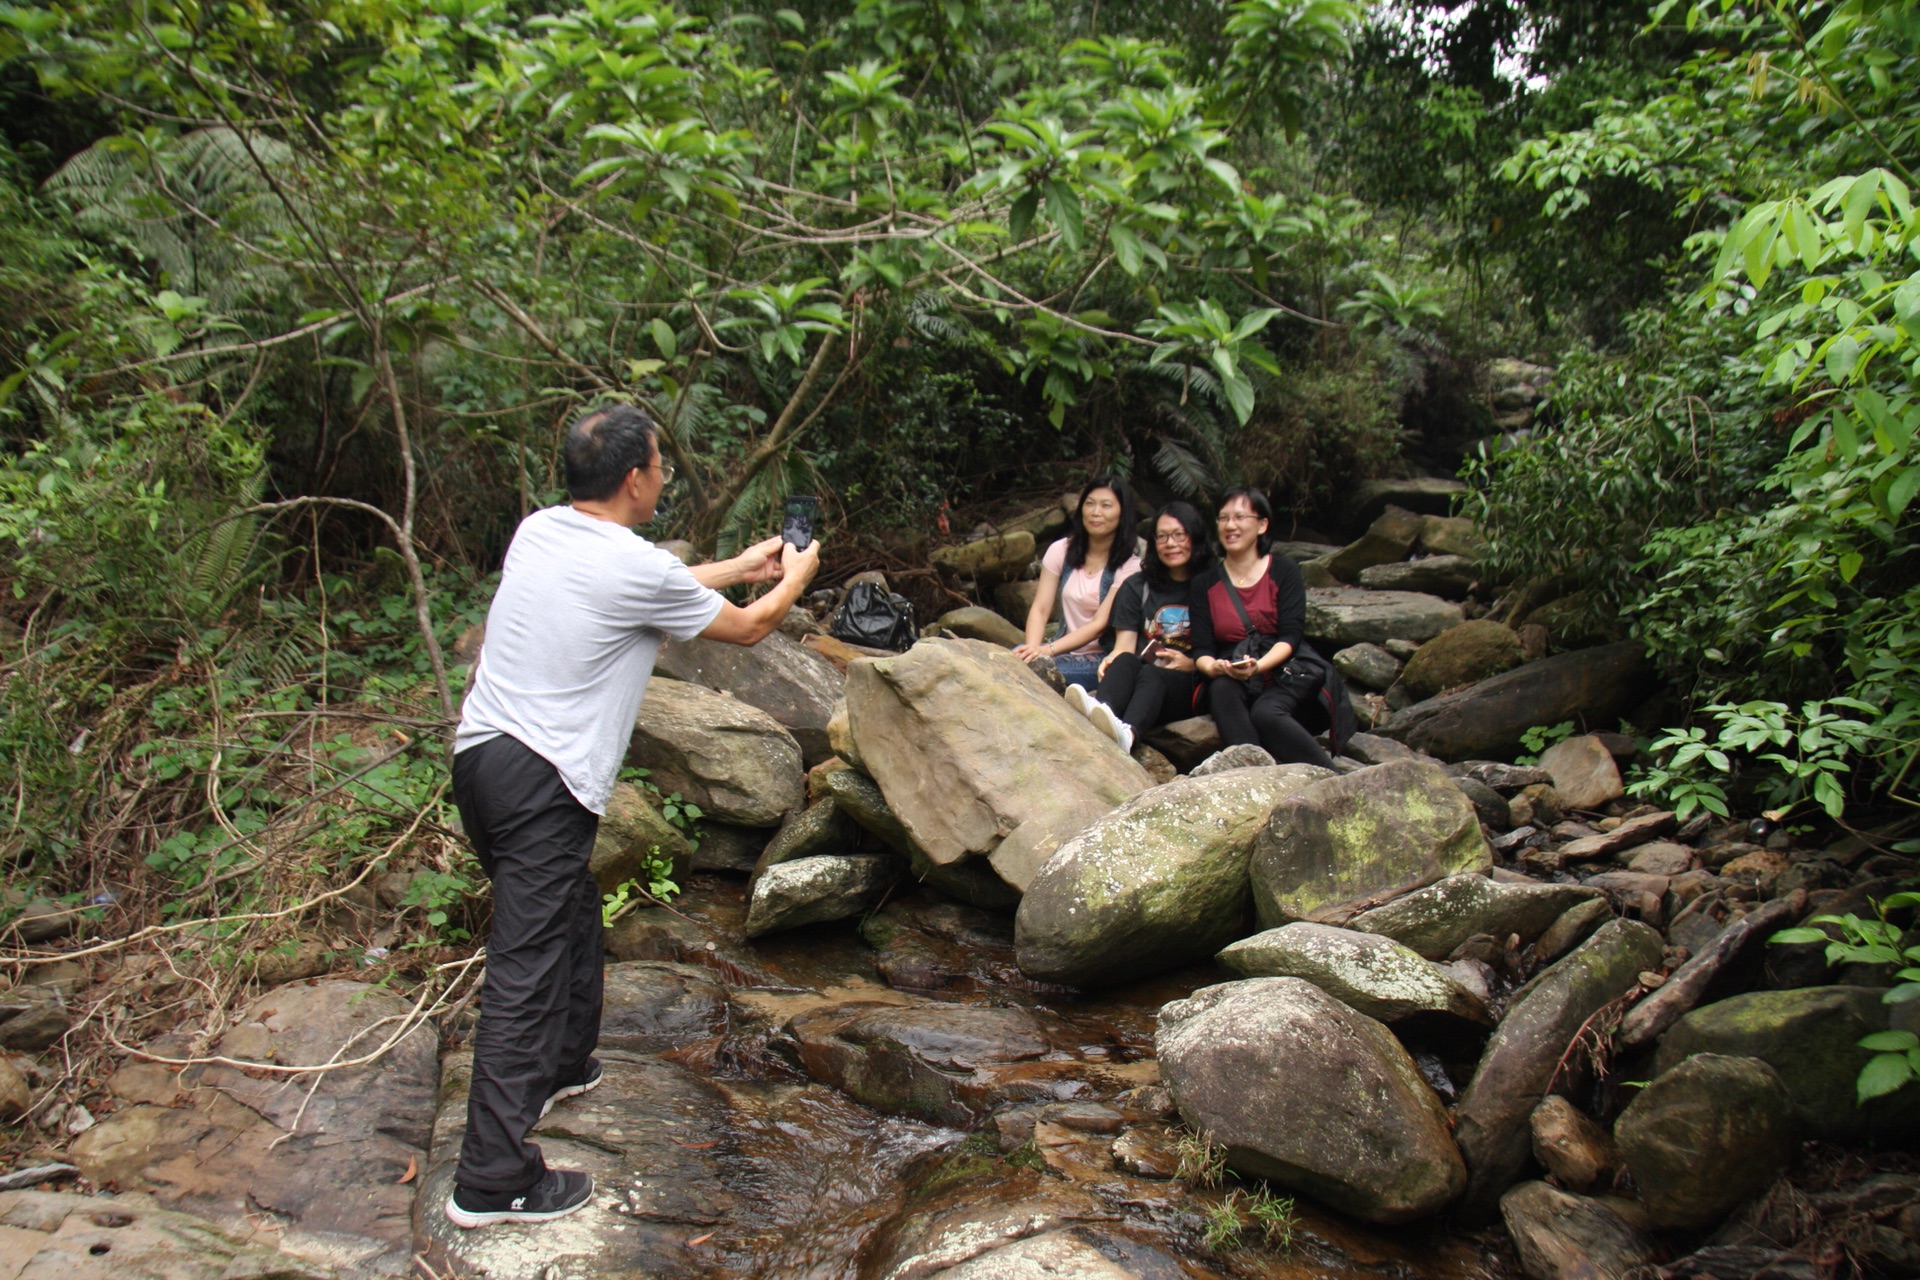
1080, 590
572, 635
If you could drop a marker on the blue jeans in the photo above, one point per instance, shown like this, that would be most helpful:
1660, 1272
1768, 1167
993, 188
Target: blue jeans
1080, 668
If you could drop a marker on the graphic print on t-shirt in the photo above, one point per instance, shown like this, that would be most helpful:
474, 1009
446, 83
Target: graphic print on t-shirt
1172, 625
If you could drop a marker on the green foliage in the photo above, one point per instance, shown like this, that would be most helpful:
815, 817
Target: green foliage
1896, 1056
1202, 1161
1541, 736
1260, 1212
659, 886
1810, 753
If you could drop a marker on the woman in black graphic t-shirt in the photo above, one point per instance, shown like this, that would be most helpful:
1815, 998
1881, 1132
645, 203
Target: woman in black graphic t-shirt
1247, 705
1148, 678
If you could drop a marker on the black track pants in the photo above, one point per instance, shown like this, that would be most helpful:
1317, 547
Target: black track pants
1261, 721
1146, 696
540, 1009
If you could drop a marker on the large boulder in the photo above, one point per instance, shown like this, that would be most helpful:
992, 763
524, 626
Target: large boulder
322, 1156
1158, 883
972, 622
1450, 577
994, 559
1810, 1036
1452, 536
971, 880
1186, 742
1423, 495
1304, 1091
1342, 616
1529, 1051
788, 681
1597, 686
1370, 974
1436, 919
1705, 1136
1344, 844
737, 763
653, 1006
1461, 655
969, 747
1386, 540
1562, 1236
819, 828
816, 890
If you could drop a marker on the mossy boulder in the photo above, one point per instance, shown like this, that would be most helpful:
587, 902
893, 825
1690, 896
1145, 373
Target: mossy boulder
1158, 883
1344, 844
1461, 655
1705, 1136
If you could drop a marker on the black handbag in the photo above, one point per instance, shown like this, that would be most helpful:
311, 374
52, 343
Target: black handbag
874, 619
1300, 677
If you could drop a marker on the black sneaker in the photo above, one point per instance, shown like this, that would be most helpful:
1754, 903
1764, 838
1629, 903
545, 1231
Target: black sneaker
558, 1193
590, 1076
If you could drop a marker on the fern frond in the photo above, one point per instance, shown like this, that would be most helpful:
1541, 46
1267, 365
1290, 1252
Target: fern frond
1185, 473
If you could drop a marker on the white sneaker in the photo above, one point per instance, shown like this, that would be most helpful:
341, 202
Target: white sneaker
1077, 699
1108, 722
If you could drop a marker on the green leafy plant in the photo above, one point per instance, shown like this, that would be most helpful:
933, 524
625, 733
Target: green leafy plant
659, 886
1227, 1222
1541, 736
1808, 755
1896, 1054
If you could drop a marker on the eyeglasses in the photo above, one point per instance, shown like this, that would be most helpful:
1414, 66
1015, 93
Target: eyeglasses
664, 468
1237, 518
1170, 539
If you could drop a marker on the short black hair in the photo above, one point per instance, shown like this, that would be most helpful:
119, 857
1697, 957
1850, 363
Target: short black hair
1199, 538
1261, 507
1125, 534
603, 445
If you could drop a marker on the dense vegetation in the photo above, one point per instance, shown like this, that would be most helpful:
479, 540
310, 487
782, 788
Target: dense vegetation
300, 293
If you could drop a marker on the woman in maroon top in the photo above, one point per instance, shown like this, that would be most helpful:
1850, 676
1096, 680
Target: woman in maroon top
1246, 705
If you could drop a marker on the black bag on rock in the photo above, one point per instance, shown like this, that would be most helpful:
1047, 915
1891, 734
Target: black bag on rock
874, 619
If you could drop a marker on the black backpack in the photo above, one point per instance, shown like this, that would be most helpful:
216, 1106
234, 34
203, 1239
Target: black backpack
874, 619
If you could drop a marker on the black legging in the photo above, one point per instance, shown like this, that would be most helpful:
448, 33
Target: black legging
1261, 721
1146, 696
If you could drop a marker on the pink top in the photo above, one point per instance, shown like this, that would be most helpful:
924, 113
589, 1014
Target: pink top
1080, 590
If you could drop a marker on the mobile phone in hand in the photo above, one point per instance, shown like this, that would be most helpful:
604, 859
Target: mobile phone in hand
796, 525
1155, 647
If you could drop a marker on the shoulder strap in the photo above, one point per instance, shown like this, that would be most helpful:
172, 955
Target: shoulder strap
1233, 595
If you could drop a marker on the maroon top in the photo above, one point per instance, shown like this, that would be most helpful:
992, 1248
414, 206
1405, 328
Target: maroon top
1262, 601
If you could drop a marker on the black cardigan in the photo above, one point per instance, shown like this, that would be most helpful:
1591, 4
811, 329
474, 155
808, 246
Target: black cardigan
1292, 604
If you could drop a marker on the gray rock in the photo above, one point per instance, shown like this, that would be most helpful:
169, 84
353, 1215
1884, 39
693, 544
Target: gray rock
1370, 748
1449, 577
1346, 844
1608, 844
1504, 778
994, 559
1242, 755
652, 1006
1371, 974
1301, 552
818, 889
1158, 883
819, 828
632, 834
35, 1024
1186, 742
1424, 495
1367, 664
1452, 536
1486, 721
734, 761
1584, 772
726, 847
53, 1235
788, 681
1528, 1050
333, 1188
1302, 1090
1705, 1136
975, 623
1562, 1236
1387, 539
1343, 616
1811, 1038
1661, 858
971, 880
1435, 920
969, 748
1489, 804
1573, 928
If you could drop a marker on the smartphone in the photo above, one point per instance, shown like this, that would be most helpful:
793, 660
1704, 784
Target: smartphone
1155, 647
796, 525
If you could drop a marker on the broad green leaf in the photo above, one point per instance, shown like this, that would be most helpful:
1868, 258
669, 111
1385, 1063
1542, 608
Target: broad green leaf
1063, 206
1020, 213
1900, 492
1890, 1041
1884, 1073
1126, 248
663, 338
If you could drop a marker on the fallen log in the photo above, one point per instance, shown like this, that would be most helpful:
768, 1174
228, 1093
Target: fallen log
1690, 981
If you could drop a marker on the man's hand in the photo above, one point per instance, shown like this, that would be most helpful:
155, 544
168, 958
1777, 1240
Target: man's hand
761, 562
803, 563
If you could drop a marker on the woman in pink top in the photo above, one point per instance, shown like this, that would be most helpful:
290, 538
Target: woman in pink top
1080, 572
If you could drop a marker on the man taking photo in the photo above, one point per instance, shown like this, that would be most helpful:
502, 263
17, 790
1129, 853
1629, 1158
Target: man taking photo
571, 638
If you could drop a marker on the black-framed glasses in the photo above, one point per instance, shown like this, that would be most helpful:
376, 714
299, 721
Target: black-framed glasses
1171, 539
